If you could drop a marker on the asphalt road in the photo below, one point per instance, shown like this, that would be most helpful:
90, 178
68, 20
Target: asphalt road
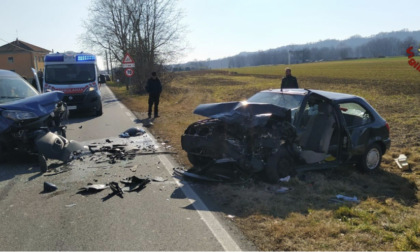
166, 215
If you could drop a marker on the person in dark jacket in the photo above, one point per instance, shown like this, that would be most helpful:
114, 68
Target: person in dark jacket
289, 81
154, 88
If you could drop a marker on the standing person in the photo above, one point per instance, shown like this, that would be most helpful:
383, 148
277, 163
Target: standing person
41, 79
154, 88
289, 81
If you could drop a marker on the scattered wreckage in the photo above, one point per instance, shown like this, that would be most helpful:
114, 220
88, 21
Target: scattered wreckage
32, 122
132, 184
281, 131
113, 153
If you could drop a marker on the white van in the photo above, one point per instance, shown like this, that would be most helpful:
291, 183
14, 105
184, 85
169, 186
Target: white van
76, 74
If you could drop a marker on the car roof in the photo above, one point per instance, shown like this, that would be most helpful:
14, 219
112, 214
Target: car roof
327, 94
8, 73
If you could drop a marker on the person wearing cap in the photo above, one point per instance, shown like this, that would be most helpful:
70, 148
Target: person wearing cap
289, 81
154, 88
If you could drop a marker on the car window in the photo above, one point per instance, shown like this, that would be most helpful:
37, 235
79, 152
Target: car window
14, 88
355, 114
288, 101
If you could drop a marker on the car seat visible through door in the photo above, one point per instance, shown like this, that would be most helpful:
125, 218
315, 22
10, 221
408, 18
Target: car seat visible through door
316, 139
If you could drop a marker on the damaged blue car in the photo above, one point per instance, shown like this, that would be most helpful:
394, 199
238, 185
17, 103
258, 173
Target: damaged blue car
279, 132
30, 121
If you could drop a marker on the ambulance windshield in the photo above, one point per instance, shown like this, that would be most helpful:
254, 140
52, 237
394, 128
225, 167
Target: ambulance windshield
70, 73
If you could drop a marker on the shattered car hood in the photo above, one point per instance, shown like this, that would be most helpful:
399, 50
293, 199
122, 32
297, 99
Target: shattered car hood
236, 112
42, 104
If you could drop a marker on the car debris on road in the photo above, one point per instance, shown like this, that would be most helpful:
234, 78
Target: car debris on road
49, 187
132, 132
93, 188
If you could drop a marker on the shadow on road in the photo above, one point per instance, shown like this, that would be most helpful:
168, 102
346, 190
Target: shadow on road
19, 163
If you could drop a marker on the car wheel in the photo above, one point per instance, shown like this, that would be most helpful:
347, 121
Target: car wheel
372, 158
279, 166
197, 160
99, 111
2, 153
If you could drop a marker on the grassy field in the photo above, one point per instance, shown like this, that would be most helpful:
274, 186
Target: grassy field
305, 218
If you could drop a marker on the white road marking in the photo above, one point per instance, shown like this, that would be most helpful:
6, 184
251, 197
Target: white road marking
206, 215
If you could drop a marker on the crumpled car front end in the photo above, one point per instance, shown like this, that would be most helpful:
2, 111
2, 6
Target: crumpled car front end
247, 133
21, 121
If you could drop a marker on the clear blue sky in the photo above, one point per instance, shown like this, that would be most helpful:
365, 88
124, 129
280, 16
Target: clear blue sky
219, 28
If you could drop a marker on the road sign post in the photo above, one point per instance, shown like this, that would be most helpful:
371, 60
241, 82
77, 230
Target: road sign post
128, 72
128, 64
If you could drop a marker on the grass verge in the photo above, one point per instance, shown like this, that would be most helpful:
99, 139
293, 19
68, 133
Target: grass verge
308, 217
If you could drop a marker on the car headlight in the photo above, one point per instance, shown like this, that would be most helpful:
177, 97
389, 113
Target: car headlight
91, 89
18, 115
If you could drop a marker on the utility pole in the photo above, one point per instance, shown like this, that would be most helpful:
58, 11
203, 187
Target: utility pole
110, 61
106, 58
112, 70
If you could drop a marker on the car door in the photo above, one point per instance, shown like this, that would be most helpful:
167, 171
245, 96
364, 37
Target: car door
356, 119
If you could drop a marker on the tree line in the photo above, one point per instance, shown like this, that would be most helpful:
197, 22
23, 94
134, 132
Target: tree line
356, 47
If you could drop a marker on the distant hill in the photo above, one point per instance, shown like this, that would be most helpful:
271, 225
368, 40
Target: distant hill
384, 44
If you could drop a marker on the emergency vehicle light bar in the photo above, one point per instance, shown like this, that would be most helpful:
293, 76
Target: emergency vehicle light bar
54, 58
85, 58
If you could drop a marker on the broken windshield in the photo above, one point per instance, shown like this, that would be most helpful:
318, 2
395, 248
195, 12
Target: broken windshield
288, 101
70, 73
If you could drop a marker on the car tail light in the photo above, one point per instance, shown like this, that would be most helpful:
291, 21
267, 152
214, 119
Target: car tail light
387, 126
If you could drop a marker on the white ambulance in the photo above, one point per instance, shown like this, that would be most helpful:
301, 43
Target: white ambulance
76, 74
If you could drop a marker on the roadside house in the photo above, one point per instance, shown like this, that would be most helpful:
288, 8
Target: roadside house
20, 57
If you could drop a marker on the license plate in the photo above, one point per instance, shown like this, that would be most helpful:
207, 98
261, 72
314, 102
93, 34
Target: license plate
72, 107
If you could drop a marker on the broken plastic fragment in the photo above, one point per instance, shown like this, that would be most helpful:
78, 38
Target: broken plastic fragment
159, 179
134, 183
54, 146
283, 189
116, 188
347, 198
94, 188
49, 187
402, 162
285, 179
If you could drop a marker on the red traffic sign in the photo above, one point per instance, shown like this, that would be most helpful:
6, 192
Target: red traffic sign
129, 72
127, 59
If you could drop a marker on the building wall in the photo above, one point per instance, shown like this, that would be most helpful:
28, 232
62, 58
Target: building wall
23, 62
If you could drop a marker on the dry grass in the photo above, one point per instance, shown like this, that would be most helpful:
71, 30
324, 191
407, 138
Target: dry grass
307, 218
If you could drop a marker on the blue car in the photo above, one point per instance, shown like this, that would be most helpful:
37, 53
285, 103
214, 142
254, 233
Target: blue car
26, 115
279, 132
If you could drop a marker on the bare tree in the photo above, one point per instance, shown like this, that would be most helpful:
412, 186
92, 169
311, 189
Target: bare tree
148, 30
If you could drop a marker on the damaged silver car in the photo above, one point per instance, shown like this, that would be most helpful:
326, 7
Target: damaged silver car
281, 131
